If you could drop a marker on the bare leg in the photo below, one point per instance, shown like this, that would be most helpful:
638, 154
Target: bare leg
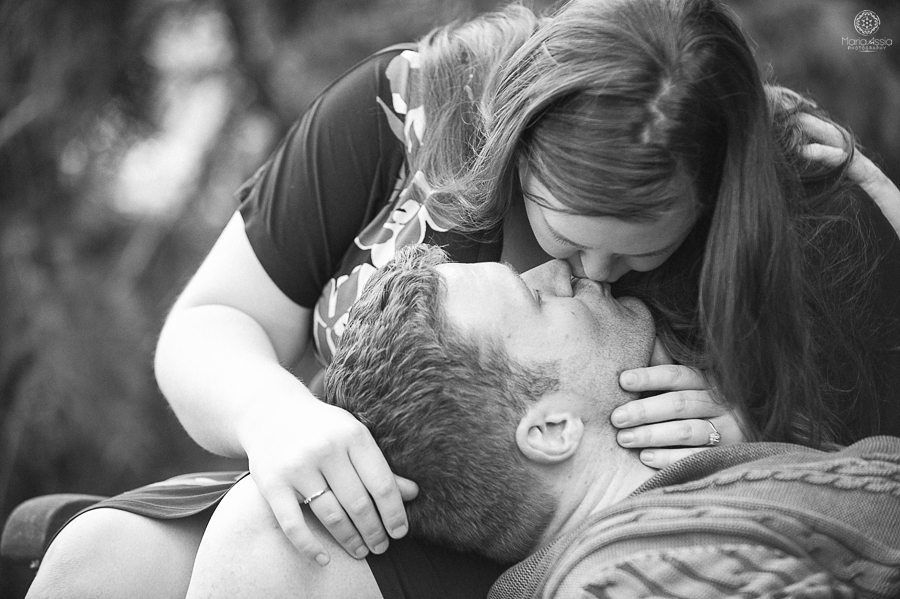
112, 553
245, 554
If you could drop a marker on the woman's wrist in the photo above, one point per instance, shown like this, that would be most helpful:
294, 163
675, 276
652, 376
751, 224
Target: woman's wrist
275, 396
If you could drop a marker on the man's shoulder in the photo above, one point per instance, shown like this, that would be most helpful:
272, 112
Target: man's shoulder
715, 570
716, 466
767, 514
765, 469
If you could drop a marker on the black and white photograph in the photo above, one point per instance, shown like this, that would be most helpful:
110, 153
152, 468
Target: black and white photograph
457, 299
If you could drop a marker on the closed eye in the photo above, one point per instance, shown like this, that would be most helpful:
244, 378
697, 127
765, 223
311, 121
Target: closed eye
557, 237
535, 294
663, 251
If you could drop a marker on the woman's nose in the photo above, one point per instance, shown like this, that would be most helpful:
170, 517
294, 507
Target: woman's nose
598, 266
551, 278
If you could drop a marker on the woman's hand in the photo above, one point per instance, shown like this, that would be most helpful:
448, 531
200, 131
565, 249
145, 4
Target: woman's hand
219, 363
829, 148
311, 448
679, 421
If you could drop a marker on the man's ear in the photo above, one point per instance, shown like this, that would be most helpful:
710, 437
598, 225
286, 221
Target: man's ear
548, 433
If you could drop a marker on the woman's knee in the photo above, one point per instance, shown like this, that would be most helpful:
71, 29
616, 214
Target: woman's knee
107, 552
244, 553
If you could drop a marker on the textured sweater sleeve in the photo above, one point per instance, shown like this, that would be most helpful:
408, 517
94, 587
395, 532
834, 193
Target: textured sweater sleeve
786, 522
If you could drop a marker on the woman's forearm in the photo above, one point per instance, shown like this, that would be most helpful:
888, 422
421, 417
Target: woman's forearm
218, 369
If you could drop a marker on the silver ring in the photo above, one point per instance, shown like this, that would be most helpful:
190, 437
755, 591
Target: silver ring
714, 436
315, 496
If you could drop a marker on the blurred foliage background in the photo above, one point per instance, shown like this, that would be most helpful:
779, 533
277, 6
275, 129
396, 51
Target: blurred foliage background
126, 126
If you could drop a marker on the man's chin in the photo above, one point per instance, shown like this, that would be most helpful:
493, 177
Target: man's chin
645, 332
636, 307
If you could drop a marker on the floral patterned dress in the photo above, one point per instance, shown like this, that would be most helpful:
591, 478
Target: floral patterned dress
403, 218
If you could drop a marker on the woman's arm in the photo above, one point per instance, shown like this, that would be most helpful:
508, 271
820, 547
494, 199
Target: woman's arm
245, 317
232, 321
829, 147
220, 362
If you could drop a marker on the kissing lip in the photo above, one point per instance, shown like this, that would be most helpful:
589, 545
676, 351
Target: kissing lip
581, 285
587, 288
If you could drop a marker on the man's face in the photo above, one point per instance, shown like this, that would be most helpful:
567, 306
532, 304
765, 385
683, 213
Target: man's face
544, 315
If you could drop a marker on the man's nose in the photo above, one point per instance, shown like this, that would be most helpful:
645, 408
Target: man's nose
551, 278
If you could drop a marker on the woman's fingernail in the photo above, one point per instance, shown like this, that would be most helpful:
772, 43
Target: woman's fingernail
322, 559
647, 456
619, 417
626, 438
628, 379
361, 552
399, 531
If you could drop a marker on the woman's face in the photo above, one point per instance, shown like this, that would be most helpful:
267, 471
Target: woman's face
603, 248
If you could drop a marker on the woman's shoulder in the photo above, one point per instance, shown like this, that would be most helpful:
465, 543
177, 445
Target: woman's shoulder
374, 67
375, 91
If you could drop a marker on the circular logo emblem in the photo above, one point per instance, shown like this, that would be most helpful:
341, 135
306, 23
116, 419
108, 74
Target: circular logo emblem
866, 22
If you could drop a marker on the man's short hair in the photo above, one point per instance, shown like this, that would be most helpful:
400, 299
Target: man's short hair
444, 407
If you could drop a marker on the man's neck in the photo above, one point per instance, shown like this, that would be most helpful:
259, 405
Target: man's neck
594, 481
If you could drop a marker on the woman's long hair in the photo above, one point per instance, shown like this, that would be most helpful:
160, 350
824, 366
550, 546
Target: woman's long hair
836, 222
458, 64
624, 108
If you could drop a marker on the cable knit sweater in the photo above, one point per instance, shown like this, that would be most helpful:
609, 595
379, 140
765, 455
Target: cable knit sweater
750, 520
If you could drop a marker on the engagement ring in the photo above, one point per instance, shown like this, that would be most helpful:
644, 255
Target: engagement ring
714, 436
325, 490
